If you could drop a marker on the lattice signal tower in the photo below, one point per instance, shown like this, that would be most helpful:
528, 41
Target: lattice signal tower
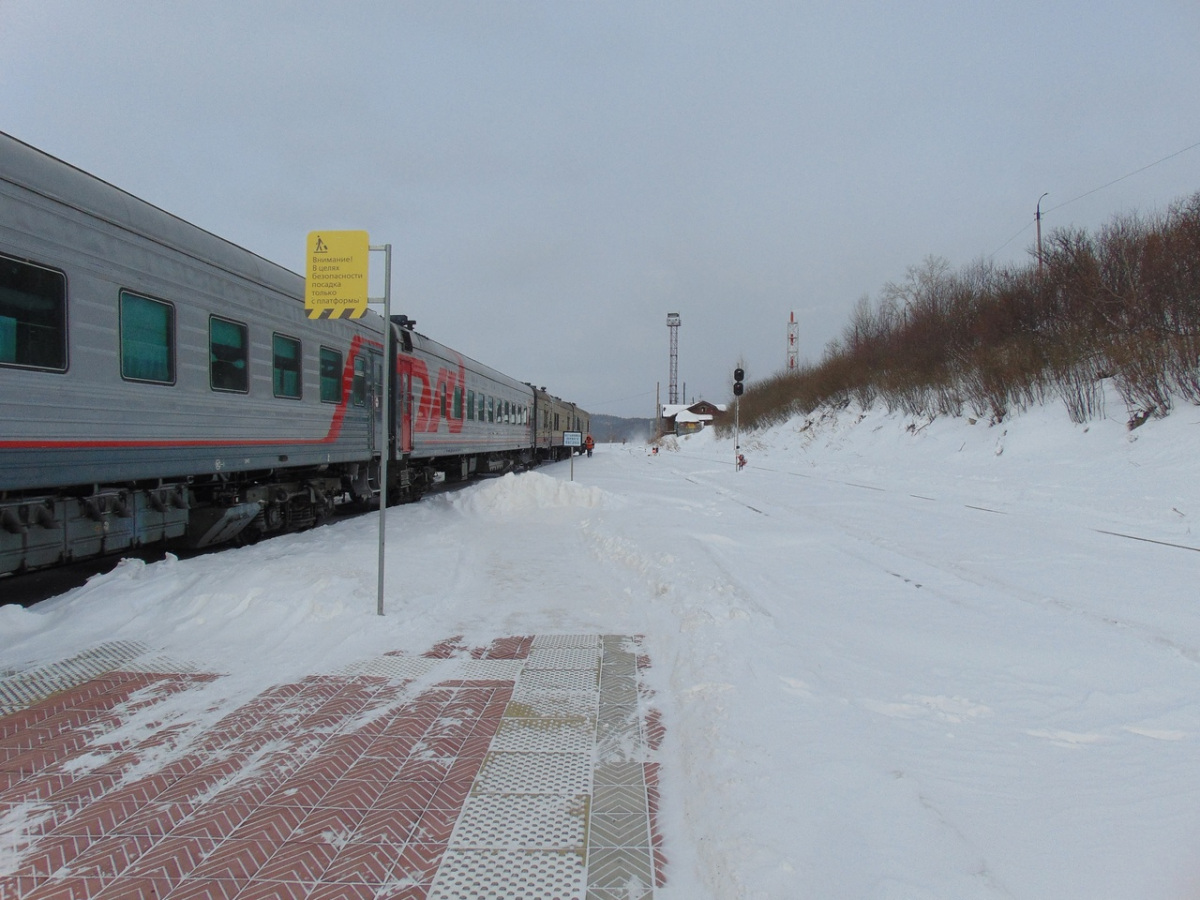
793, 357
673, 385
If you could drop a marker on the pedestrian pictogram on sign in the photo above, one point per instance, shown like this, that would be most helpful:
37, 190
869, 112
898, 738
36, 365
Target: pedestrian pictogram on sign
335, 284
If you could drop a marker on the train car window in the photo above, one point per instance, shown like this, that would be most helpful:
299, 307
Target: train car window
147, 339
229, 355
33, 316
331, 376
285, 368
507, 413
491, 409
482, 411
458, 403
359, 389
471, 405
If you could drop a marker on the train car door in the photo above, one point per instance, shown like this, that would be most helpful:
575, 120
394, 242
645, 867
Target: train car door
368, 392
378, 422
404, 405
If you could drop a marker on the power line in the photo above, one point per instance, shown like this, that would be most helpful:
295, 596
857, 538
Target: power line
1123, 177
1026, 226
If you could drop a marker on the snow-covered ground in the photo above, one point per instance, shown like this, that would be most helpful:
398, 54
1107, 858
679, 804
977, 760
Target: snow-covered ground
895, 659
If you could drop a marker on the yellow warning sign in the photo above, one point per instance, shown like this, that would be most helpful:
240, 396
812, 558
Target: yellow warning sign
335, 285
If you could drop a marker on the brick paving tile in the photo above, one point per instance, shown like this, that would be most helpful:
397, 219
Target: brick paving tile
430, 771
68, 889
20, 886
452, 794
319, 768
328, 824
435, 826
94, 821
249, 792
403, 892
419, 862
299, 792
386, 826
205, 889
135, 889
235, 859
392, 749
110, 857
464, 768
51, 854
29, 762
351, 745
141, 791
275, 890
370, 864
352, 794
213, 820
297, 861
371, 769
154, 819
271, 824
172, 858
407, 795
343, 892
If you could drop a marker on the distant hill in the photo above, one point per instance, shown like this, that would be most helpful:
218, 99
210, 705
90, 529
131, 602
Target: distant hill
614, 429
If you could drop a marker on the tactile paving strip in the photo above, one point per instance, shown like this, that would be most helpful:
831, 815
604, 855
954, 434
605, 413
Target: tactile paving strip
519, 734
567, 773
527, 822
20, 689
524, 874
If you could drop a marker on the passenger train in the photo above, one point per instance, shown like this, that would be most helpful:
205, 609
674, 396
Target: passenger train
159, 384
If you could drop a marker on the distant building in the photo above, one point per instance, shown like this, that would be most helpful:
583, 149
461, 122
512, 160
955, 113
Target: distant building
680, 419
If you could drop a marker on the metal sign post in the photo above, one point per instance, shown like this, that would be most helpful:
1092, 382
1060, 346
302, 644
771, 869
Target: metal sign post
387, 410
739, 375
737, 434
335, 287
571, 440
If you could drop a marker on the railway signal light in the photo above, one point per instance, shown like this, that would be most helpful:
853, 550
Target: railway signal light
738, 375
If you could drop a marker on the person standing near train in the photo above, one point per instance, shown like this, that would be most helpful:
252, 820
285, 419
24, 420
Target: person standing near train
588, 444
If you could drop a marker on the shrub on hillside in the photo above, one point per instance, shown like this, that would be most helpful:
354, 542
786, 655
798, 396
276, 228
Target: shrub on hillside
1122, 304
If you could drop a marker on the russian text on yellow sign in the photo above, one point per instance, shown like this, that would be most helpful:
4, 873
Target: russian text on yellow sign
335, 283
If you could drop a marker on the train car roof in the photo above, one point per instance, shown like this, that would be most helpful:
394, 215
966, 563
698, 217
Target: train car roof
429, 345
35, 170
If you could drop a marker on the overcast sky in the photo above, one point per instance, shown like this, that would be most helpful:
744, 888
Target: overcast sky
556, 177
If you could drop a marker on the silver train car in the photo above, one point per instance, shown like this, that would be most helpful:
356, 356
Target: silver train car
159, 384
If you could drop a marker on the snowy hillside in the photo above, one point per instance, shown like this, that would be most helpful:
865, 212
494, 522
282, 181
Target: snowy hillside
894, 659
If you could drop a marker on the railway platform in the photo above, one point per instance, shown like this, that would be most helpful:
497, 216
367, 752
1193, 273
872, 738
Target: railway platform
525, 768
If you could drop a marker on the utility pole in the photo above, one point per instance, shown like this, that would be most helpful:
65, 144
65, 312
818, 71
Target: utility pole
1038, 219
657, 410
793, 355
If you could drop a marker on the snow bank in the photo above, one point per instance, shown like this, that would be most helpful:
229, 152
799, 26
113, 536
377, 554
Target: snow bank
523, 493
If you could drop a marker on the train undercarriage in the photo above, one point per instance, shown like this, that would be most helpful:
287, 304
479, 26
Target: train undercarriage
40, 530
